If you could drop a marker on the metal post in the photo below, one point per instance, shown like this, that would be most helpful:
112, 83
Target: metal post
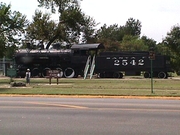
57, 80
49, 79
4, 66
151, 76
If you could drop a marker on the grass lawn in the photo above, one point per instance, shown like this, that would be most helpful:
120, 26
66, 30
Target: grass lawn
95, 87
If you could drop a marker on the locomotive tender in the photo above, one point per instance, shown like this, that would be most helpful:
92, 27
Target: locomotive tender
73, 62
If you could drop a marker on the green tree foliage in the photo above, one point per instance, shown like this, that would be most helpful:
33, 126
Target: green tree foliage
11, 28
110, 36
40, 30
149, 42
111, 32
73, 23
132, 27
89, 31
78, 24
133, 43
2, 45
172, 41
60, 5
121, 37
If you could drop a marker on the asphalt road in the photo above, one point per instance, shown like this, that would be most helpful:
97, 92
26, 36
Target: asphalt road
88, 116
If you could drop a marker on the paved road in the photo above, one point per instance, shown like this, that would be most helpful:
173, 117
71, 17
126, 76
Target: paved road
88, 116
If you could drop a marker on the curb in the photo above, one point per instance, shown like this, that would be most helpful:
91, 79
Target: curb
89, 96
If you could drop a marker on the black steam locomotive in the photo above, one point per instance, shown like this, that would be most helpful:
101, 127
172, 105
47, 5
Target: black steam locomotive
82, 59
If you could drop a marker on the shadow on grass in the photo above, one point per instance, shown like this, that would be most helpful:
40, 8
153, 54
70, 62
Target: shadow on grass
4, 89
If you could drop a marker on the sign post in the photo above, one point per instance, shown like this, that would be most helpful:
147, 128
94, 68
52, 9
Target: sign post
151, 76
151, 57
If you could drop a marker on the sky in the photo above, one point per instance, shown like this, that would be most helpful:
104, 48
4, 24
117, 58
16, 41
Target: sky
156, 16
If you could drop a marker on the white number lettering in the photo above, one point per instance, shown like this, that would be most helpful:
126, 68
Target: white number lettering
133, 62
116, 63
124, 62
141, 62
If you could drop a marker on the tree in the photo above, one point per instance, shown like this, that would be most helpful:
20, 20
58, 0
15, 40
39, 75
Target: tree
46, 31
89, 32
72, 21
77, 24
149, 43
172, 40
12, 26
110, 36
114, 36
132, 27
61, 5
133, 43
40, 30
109, 32
2, 45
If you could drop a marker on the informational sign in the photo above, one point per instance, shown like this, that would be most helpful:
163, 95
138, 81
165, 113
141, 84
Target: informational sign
11, 72
151, 55
53, 74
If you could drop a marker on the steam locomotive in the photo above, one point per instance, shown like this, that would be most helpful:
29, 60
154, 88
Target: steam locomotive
82, 59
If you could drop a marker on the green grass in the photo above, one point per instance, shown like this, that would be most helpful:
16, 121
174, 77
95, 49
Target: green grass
100, 87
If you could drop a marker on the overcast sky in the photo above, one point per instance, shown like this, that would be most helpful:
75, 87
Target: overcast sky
156, 16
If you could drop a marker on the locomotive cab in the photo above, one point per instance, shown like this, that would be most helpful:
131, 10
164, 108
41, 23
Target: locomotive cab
81, 53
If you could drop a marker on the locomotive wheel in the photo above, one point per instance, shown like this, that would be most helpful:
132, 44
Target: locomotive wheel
35, 72
69, 73
147, 75
101, 75
162, 75
120, 75
60, 72
116, 75
44, 72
